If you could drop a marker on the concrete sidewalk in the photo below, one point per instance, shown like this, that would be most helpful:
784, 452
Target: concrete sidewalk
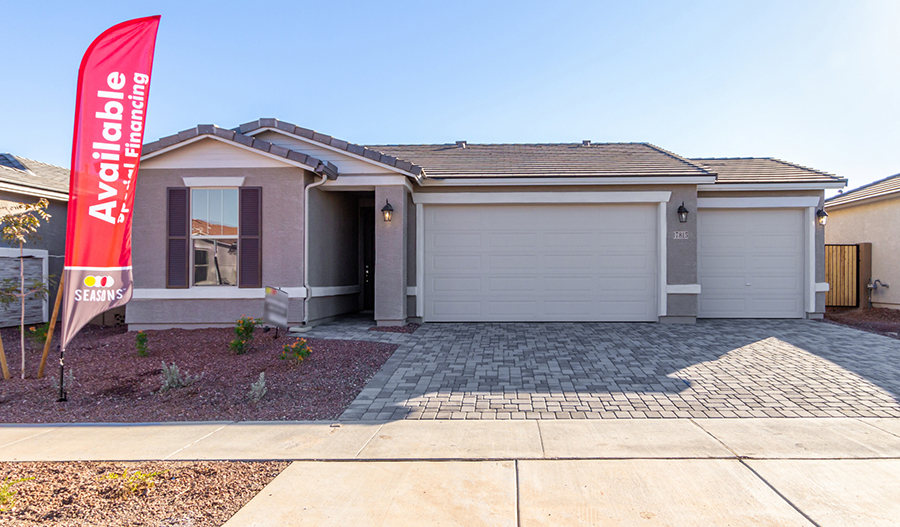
805, 472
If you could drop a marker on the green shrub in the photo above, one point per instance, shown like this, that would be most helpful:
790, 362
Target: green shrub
173, 378
134, 483
38, 334
258, 389
140, 342
243, 329
7, 495
297, 350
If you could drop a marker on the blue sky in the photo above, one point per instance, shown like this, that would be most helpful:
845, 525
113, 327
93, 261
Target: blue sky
816, 83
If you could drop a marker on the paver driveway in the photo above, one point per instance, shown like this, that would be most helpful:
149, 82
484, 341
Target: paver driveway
716, 368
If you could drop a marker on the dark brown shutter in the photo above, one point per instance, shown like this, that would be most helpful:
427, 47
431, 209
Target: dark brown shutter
250, 244
178, 238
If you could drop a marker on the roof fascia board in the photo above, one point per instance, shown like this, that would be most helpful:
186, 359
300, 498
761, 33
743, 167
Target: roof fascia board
227, 142
366, 182
545, 181
29, 191
465, 198
863, 200
741, 187
329, 147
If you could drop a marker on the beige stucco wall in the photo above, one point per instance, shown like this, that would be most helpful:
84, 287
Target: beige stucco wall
877, 223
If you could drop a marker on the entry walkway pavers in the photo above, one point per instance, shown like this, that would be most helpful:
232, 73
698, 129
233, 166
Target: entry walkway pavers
716, 368
804, 472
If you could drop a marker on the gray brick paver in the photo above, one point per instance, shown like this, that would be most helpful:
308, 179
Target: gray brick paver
741, 368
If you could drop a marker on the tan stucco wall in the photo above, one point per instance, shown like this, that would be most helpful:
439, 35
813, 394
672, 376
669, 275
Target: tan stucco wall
877, 223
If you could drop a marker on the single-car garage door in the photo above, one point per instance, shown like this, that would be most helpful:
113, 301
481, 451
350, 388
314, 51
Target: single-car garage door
509, 263
750, 263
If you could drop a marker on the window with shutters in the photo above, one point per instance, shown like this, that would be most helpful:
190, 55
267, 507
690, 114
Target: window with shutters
214, 236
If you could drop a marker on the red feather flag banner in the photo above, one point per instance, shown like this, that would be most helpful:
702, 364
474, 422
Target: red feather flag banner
110, 112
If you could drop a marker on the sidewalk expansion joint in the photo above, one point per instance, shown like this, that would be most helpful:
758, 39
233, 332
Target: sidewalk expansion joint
726, 447
875, 427
195, 442
780, 495
27, 438
358, 452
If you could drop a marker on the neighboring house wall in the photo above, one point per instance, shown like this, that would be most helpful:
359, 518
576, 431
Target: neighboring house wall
52, 233
877, 223
282, 249
35, 267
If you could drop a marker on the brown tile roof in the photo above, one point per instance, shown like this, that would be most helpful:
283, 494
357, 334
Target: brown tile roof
28, 173
883, 187
764, 170
545, 160
333, 142
321, 167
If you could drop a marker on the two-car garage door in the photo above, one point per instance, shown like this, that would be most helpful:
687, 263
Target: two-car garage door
541, 262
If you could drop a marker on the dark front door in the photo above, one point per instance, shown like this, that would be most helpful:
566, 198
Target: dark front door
368, 256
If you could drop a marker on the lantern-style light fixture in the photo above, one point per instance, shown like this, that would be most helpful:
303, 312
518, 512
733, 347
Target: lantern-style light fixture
387, 211
682, 213
822, 217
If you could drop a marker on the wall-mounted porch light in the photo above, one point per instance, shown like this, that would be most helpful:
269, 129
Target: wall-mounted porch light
387, 210
822, 217
682, 213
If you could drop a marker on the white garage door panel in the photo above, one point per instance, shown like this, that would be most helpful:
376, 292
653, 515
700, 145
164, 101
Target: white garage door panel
750, 263
569, 262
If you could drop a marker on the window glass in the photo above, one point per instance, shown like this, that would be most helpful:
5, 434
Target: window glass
214, 229
214, 212
215, 261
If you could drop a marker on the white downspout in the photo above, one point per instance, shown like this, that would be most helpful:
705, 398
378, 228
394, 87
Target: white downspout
306, 247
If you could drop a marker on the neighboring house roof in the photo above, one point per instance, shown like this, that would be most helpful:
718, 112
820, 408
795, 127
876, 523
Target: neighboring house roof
764, 170
543, 160
191, 134
27, 176
877, 189
360, 150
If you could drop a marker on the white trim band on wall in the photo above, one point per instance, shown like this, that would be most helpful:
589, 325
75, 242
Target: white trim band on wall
683, 289
213, 181
782, 202
823, 287
211, 293
465, 198
337, 290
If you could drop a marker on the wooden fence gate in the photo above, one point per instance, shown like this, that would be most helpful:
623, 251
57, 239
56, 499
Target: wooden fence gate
842, 274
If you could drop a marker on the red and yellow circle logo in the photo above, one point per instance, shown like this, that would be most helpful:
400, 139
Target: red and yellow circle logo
98, 281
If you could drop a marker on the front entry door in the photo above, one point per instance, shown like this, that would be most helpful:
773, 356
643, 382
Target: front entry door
367, 228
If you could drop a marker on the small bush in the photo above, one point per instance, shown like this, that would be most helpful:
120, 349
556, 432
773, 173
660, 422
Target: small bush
298, 350
140, 343
258, 389
134, 483
7, 495
38, 334
172, 378
243, 329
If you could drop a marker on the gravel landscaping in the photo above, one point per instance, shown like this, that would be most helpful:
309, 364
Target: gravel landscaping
875, 320
112, 383
95, 493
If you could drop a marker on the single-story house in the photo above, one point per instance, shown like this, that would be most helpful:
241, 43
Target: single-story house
871, 214
24, 180
467, 232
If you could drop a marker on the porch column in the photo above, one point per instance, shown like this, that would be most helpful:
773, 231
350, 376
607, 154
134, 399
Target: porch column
390, 257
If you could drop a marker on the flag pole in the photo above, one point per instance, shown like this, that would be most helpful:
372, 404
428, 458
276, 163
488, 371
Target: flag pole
62, 392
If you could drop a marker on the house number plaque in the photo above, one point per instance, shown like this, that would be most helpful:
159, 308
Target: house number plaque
681, 235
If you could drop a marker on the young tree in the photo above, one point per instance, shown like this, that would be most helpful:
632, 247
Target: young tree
19, 225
